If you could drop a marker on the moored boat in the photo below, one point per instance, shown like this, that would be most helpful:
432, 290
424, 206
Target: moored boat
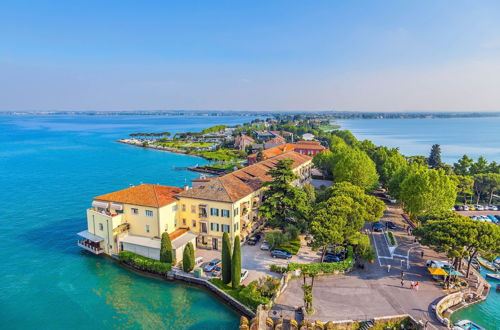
493, 276
486, 264
467, 325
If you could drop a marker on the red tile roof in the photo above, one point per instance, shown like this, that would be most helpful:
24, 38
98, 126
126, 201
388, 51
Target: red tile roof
145, 195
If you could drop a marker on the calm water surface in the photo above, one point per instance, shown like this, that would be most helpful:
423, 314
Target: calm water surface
50, 168
457, 136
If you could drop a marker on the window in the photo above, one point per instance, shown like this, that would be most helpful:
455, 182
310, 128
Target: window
236, 211
101, 227
235, 227
214, 212
149, 213
135, 211
183, 207
175, 207
204, 227
193, 209
147, 228
225, 213
226, 228
194, 223
214, 226
203, 212
183, 221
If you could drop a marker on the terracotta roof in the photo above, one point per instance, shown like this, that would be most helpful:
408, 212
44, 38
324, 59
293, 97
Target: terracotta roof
274, 151
281, 133
176, 233
277, 140
145, 195
309, 145
238, 184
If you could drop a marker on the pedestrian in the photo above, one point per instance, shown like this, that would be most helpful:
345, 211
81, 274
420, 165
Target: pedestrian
388, 268
402, 283
416, 286
402, 274
412, 285
422, 254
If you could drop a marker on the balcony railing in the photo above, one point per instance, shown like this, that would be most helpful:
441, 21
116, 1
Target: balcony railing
84, 244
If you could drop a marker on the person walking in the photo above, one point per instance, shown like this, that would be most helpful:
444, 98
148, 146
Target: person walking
402, 283
402, 275
412, 285
416, 285
388, 268
422, 254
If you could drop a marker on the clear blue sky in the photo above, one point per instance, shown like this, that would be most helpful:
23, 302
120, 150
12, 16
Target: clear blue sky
261, 55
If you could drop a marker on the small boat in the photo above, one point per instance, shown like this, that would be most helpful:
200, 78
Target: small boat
486, 264
493, 276
468, 325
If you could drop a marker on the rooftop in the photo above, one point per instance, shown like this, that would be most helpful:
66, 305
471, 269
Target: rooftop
153, 195
238, 184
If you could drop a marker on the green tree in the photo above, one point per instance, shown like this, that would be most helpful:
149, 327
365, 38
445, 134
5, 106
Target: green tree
434, 159
284, 203
310, 192
462, 166
425, 190
354, 166
166, 251
275, 238
226, 259
479, 167
464, 184
236, 263
188, 258
486, 183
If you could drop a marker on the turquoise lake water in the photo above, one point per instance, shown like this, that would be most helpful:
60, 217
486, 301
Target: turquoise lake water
50, 168
457, 136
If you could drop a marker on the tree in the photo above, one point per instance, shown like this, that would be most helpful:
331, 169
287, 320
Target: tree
486, 183
188, 258
260, 155
464, 184
166, 251
462, 166
284, 203
388, 162
275, 239
479, 167
226, 259
434, 159
354, 166
425, 190
236, 263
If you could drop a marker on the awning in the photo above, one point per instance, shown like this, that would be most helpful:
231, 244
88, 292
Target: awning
90, 236
454, 273
103, 205
437, 271
115, 206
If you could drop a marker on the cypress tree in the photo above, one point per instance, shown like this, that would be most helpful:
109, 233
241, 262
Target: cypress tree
166, 251
188, 258
236, 263
226, 259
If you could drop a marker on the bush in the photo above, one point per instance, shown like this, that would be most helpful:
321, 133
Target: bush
188, 258
145, 264
291, 247
278, 269
166, 251
392, 240
326, 267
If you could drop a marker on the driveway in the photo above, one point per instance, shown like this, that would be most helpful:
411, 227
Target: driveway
258, 261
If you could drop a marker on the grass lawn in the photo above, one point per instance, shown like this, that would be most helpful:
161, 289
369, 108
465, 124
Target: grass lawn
291, 247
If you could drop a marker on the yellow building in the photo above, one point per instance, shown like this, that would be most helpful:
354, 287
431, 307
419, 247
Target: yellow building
230, 202
134, 219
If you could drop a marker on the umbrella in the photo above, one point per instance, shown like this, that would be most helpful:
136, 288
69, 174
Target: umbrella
437, 271
454, 273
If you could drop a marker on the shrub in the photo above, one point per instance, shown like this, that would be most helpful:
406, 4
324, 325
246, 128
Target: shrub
188, 258
291, 247
326, 267
392, 240
278, 269
144, 263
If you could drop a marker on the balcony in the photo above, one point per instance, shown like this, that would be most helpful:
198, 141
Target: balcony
90, 246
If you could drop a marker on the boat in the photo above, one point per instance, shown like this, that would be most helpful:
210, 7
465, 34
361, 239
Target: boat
498, 287
493, 276
467, 325
486, 264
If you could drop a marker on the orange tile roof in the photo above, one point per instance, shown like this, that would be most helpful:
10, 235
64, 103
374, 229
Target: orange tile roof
309, 145
274, 151
238, 184
145, 195
177, 233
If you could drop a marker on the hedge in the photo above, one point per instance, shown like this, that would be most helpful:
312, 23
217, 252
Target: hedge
291, 247
145, 264
244, 295
392, 240
325, 267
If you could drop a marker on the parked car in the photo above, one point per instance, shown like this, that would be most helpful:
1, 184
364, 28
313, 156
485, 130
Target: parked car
217, 270
391, 225
479, 207
244, 274
280, 254
466, 208
492, 208
198, 261
252, 240
377, 226
331, 258
211, 265
265, 246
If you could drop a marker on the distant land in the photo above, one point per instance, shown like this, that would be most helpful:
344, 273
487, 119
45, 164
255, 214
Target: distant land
215, 113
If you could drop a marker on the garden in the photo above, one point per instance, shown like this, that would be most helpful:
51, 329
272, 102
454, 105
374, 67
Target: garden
145, 264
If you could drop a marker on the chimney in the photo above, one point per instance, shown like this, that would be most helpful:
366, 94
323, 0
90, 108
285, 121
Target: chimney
186, 187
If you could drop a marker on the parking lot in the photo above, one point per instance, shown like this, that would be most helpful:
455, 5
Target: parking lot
257, 261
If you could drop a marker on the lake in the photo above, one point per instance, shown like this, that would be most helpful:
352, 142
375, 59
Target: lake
50, 168
457, 136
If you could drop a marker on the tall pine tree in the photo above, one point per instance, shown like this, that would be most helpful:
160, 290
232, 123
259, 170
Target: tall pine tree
434, 160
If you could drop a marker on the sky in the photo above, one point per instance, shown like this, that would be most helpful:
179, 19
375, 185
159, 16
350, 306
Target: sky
250, 55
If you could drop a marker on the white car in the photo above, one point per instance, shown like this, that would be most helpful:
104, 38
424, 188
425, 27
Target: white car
265, 246
479, 207
244, 274
466, 208
492, 208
